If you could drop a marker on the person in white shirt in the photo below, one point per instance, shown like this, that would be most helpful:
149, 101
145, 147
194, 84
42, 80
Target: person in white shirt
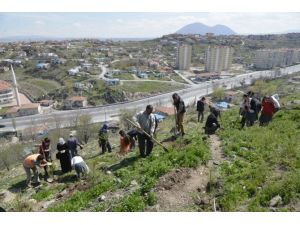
146, 122
79, 165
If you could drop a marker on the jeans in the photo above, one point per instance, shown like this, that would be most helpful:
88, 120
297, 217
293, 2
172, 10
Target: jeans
35, 171
142, 144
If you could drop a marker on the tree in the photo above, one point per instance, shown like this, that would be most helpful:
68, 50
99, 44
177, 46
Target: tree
84, 131
124, 115
219, 93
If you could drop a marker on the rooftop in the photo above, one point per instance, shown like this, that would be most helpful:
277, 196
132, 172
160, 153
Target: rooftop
77, 98
4, 85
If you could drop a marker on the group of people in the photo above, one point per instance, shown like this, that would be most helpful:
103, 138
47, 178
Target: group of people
145, 128
251, 106
66, 153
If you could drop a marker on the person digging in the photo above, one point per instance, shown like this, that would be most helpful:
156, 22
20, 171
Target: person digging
31, 163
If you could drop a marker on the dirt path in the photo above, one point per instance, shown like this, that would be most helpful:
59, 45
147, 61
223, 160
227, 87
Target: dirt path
179, 190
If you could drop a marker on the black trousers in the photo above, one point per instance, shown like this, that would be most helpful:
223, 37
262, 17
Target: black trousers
211, 130
105, 145
200, 113
145, 142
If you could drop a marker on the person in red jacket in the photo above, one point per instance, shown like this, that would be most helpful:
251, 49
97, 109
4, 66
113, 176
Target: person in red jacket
267, 111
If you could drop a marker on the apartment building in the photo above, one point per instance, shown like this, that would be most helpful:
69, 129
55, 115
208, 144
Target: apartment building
270, 58
218, 58
184, 56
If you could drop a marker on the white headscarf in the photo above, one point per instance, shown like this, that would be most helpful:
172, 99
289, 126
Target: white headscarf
61, 141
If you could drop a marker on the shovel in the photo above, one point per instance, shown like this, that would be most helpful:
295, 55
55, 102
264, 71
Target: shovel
148, 135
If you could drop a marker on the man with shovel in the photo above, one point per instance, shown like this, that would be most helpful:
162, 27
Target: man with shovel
145, 121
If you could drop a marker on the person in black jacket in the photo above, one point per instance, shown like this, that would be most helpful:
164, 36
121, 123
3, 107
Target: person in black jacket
212, 123
180, 110
64, 155
200, 109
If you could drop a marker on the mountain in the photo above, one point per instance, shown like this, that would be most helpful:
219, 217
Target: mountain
199, 28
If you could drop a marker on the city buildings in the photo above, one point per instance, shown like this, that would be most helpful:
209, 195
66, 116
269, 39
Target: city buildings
218, 58
184, 56
270, 58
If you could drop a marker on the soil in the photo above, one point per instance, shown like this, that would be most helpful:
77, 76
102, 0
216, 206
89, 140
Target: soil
179, 190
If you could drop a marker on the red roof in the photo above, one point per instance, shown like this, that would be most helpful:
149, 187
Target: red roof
30, 106
4, 85
166, 110
77, 98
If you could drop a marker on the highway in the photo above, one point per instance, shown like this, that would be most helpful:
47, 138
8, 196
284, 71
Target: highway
111, 112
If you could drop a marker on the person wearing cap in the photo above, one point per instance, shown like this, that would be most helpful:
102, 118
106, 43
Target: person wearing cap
30, 163
103, 141
72, 144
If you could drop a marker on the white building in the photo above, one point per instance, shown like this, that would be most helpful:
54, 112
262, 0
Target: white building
218, 58
270, 58
184, 56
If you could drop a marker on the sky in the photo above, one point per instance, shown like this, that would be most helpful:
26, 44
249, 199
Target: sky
139, 25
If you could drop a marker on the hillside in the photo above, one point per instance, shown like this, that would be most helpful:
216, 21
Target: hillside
253, 169
199, 28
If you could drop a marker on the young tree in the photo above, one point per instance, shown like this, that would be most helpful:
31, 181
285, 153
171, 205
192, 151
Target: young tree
84, 131
124, 115
219, 93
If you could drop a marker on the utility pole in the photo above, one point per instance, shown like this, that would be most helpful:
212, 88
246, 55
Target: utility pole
15, 86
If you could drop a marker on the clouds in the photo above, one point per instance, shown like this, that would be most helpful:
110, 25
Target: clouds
39, 22
109, 25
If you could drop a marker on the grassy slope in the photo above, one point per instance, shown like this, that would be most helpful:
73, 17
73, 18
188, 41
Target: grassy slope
189, 151
263, 162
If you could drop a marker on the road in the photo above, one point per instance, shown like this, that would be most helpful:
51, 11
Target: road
103, 72
111, 112
184, 77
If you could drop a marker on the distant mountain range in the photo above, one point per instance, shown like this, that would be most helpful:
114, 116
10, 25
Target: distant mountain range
199, 28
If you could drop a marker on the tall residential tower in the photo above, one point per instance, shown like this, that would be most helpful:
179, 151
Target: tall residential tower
218, 58
184, 56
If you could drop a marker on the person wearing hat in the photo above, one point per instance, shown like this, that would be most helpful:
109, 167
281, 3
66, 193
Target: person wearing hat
72, 144
103, 139
30, 163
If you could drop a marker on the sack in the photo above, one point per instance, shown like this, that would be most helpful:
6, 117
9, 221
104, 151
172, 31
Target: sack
57, 155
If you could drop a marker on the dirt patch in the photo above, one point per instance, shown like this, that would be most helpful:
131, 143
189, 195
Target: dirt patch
174, 191
182, 189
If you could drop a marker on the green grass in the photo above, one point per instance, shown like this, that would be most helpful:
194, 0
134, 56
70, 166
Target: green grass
263, 162
177, 78
43, 195
189, 151
124, 76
